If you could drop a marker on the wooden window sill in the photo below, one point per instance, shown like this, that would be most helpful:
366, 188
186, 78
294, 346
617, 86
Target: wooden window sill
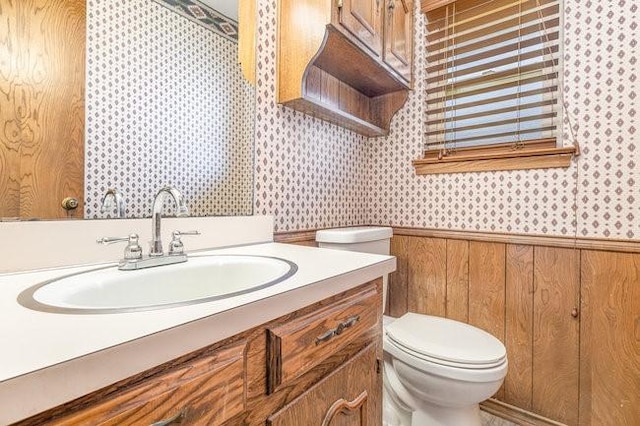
538, 155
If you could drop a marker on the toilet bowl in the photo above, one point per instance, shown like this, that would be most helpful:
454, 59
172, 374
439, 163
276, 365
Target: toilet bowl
446, 367
436, 370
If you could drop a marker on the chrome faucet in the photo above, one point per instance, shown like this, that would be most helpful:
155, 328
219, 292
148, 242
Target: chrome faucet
133, 258
107, 202
156, 216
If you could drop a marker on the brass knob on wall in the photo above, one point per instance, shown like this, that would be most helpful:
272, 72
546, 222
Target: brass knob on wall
70, 203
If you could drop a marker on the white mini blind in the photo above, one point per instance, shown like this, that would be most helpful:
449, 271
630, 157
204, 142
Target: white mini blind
492, 73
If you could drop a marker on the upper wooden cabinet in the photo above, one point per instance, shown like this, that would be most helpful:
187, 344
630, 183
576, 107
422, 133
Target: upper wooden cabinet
345, 61
398, 40
363, 19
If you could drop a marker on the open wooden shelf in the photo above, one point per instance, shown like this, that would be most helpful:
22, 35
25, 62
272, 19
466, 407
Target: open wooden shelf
325, 72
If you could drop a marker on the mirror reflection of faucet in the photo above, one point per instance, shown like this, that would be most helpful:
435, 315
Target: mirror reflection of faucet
133, 258
107, 203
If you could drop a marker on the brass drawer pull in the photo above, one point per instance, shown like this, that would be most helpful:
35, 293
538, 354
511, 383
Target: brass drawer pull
342, 406
351, 321
326, 336
177, 419
338, 330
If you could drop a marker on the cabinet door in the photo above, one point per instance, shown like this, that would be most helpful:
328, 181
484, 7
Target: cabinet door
363, 19
398, 36
350, 396
208, 390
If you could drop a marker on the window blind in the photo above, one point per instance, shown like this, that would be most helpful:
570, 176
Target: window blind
492, 73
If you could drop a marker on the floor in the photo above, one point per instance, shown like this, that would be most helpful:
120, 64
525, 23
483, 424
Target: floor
491, 420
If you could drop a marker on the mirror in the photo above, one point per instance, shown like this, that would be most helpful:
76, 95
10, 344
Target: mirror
156, 98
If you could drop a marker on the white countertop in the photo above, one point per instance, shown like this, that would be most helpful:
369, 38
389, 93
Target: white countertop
47, 359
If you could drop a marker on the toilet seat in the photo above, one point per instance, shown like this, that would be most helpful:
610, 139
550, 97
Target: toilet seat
446, 348
446, 341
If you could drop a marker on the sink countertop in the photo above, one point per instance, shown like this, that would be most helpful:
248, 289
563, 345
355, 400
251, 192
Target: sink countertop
48, 359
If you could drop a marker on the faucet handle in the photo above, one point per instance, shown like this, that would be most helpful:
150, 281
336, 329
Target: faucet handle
176, 247
132, 251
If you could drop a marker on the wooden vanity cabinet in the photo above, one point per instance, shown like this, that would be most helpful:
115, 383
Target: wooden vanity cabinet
207, 387
318, 365
350, 396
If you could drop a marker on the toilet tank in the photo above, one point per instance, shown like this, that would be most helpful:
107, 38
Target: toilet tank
366, 239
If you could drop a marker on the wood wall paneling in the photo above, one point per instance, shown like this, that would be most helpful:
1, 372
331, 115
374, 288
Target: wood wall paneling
398, 281
610, 339
555, 334
519, 325
562, 369
457, 297
487, 287
427, 275
487, 290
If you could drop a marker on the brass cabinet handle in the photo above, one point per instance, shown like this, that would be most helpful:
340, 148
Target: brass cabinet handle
177, 418
575, 312
349, 322
344, 406
324, 337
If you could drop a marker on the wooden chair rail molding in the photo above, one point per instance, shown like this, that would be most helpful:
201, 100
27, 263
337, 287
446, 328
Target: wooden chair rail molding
308, 237
622, 246
537, 155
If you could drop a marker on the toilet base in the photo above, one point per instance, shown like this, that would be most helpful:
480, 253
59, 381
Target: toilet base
434, 415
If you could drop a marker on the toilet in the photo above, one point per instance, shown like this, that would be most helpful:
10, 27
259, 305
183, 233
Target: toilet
436, 370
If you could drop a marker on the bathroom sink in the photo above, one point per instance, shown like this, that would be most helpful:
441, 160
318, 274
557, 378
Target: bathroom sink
202, 279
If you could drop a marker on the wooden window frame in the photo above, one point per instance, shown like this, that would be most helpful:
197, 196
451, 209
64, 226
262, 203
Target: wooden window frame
541, 154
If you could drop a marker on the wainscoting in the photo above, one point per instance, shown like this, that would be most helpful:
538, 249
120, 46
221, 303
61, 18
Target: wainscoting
568, 312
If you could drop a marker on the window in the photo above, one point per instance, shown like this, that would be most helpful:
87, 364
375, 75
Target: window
493, 72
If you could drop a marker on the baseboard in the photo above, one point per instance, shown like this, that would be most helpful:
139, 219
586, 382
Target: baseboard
515, 414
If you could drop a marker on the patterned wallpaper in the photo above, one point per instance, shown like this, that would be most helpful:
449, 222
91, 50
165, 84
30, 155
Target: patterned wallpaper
310, 174
166, 104
600, 96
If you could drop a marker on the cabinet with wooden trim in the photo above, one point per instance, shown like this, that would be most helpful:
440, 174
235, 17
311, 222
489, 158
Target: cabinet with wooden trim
346, 61
348, 396
313, 352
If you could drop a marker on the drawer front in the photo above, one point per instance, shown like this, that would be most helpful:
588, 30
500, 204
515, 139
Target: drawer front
207, 391
299, 345
350, 396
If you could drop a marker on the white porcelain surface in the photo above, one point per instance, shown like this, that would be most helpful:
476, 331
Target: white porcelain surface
200, 278
439, 394
446, 341
354, 234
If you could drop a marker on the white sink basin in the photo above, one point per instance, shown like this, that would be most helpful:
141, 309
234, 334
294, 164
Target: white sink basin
200, 279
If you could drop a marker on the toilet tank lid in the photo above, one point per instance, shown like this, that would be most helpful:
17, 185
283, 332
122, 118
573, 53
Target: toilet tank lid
354, 234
